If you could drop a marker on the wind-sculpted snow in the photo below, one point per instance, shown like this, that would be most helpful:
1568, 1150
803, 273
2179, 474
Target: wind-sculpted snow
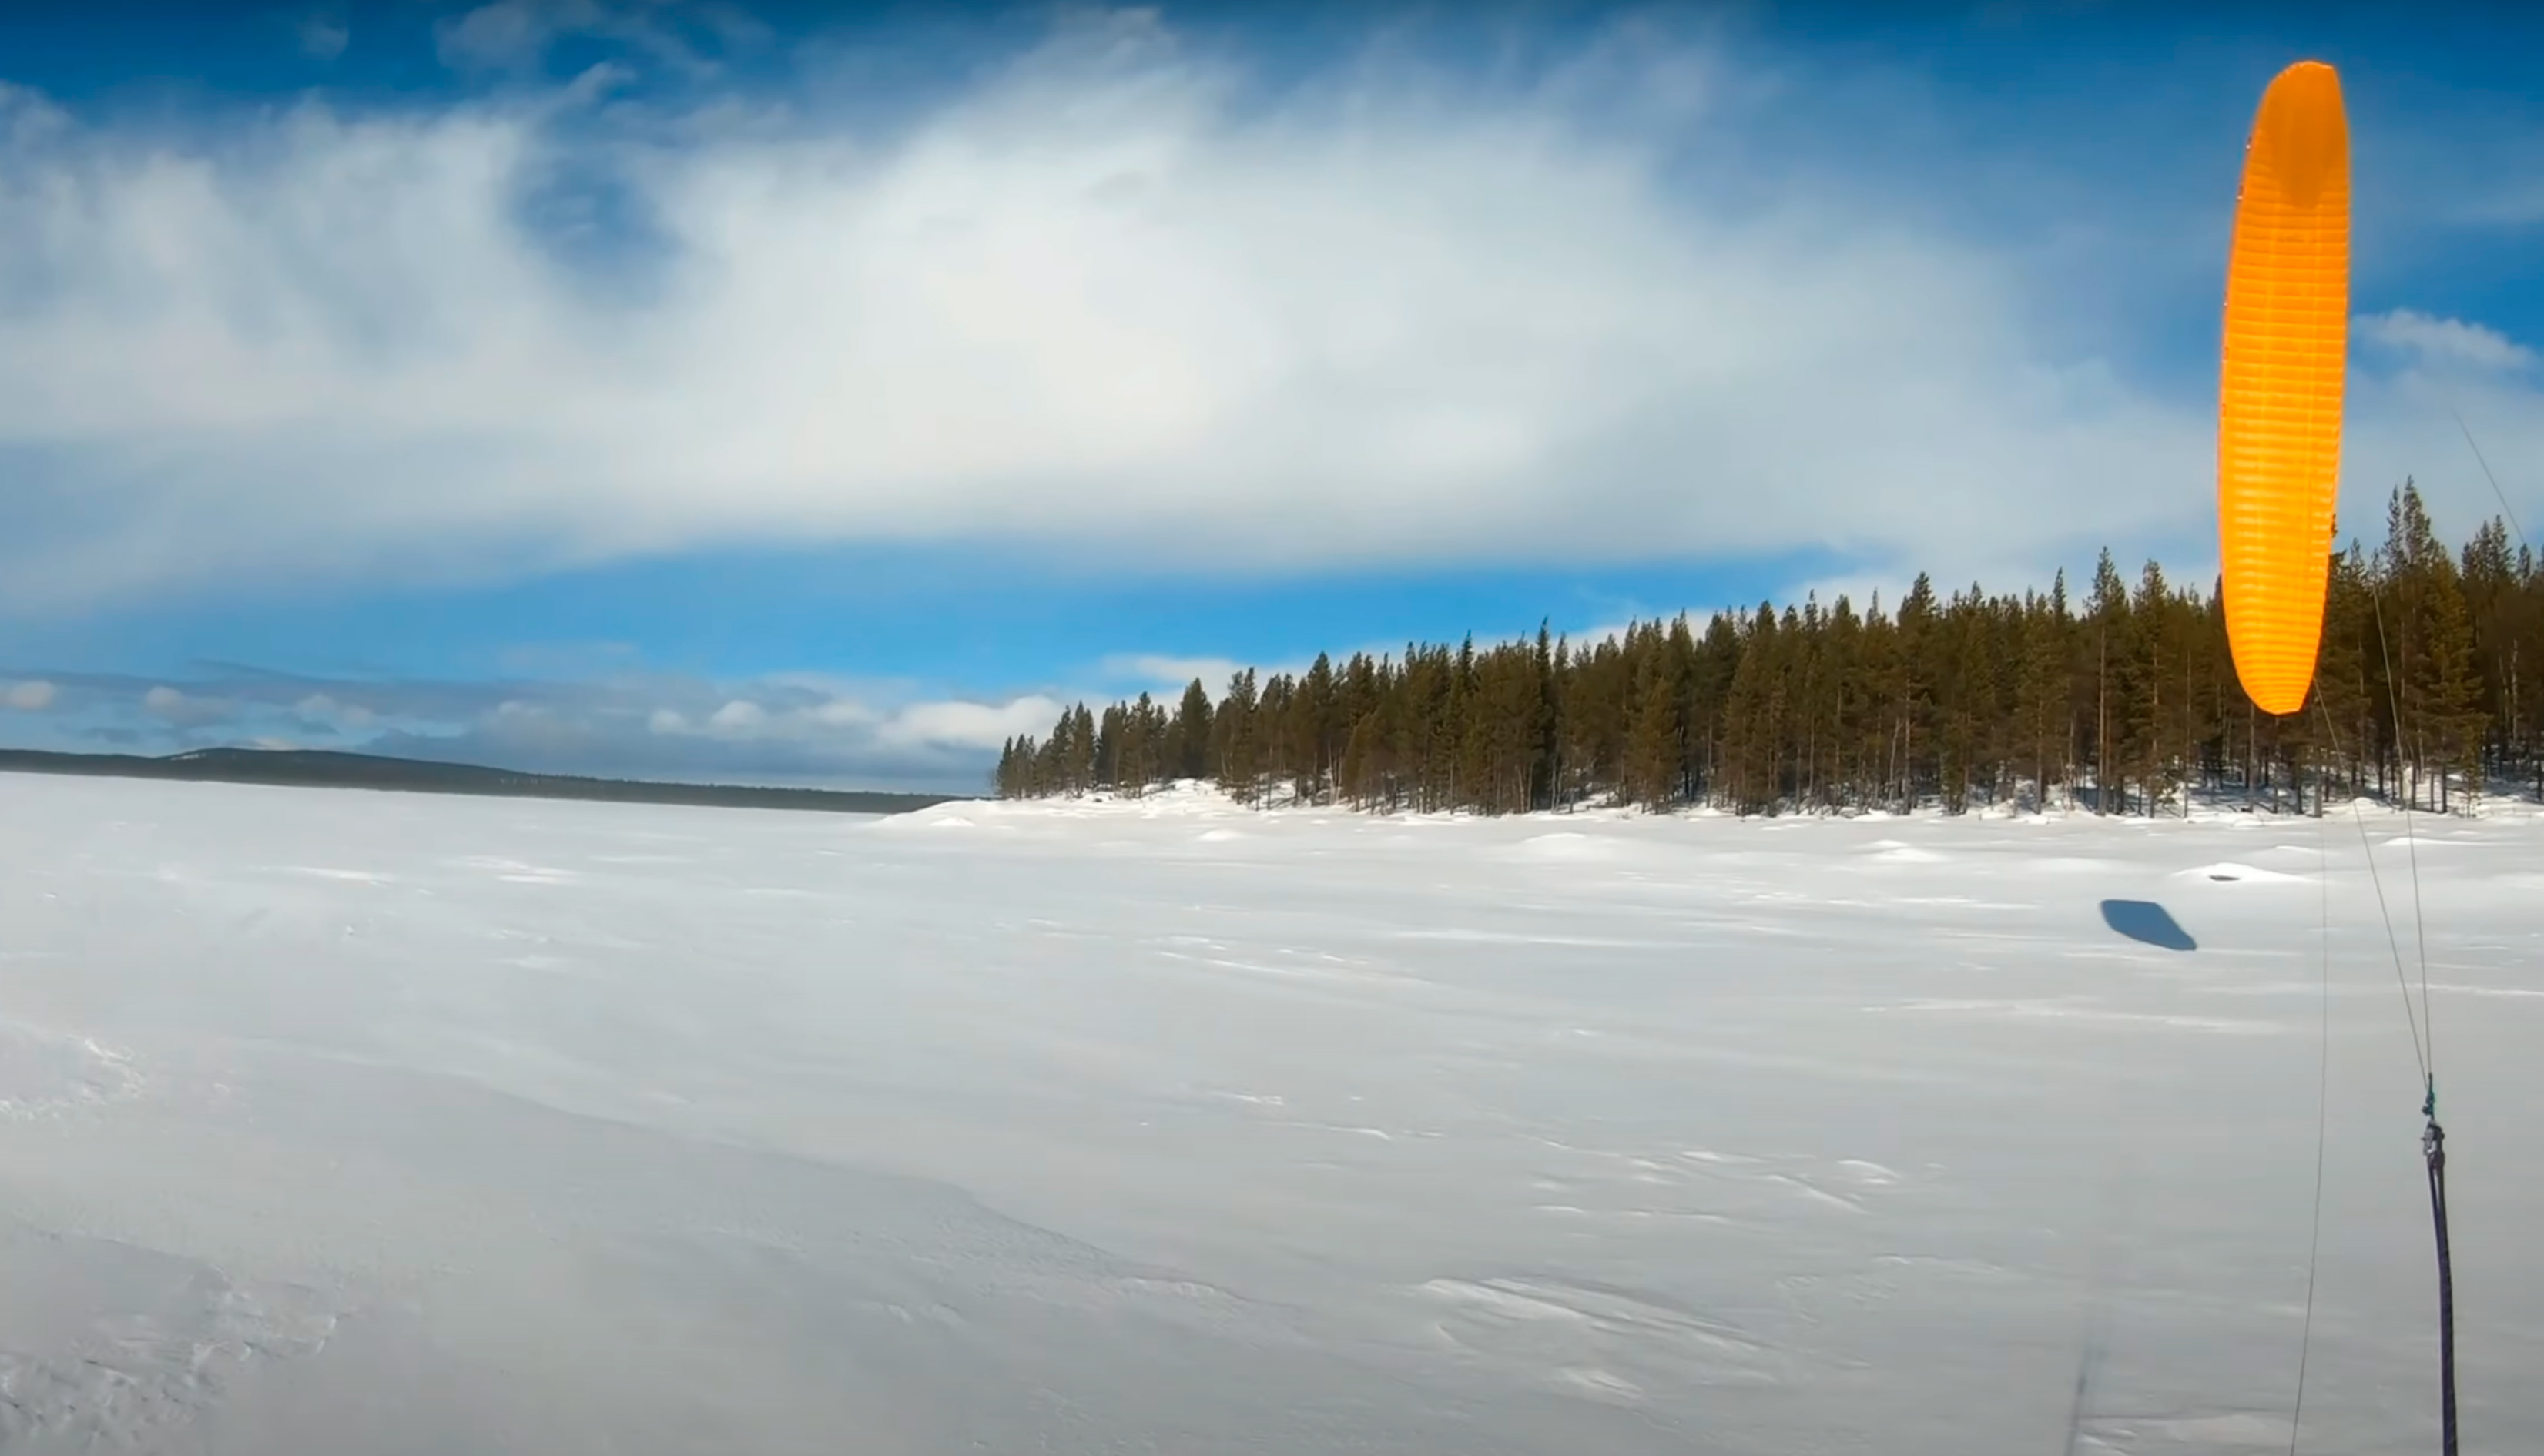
375, 1123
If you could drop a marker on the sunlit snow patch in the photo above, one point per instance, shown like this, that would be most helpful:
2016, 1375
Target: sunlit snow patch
2229, 872
1563, 846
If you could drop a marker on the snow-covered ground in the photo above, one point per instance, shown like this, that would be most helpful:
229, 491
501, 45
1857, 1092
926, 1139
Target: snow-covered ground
360, 1123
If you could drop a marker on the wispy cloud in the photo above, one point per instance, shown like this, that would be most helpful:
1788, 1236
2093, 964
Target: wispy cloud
2520, 204
518, 34
324, 36
511, 34
1164, 672
30, 696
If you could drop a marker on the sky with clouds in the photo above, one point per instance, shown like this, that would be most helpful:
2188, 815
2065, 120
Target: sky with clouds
821, 395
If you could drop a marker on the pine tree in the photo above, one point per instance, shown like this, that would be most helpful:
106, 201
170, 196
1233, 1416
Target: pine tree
1652, 751
2448, 692
1234, 745
2041, 698
1188, 740
2108, 613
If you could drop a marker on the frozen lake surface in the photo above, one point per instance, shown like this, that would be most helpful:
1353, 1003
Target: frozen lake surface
352, 1122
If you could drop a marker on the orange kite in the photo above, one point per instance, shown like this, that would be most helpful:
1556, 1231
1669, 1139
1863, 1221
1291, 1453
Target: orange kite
2278, 424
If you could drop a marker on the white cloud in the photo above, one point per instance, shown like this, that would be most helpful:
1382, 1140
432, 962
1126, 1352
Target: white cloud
1110, 299
739, 715
186, 710
798, 713
30, 696
970, 725
2440, 342
326, 708
844, 720
844, 713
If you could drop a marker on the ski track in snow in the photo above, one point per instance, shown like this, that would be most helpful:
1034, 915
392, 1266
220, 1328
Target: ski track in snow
372, 1122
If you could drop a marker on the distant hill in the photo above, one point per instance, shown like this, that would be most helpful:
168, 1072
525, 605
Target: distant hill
311, 768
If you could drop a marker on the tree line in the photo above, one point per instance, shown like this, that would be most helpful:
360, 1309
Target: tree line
2430, 688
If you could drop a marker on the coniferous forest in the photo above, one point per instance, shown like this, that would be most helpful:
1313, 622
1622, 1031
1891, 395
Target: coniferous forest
2430, 691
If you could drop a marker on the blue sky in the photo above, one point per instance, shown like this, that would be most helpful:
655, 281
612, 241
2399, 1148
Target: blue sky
799, 394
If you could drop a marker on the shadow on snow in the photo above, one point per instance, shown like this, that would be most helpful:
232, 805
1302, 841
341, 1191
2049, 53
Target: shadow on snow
2148, 922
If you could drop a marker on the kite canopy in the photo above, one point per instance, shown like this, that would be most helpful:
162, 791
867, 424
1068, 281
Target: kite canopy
2287, 342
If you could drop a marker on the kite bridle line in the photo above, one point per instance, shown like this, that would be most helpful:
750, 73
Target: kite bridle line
2322, 1115
2505, 510
2428, 1031
2434, 1136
